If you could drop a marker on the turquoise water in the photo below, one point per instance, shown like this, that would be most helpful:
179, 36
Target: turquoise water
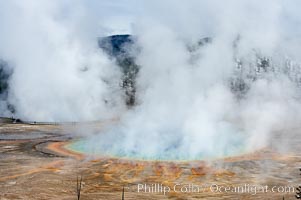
98, 147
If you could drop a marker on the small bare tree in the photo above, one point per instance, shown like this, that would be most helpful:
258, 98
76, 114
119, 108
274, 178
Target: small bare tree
78, 186
122, 196
298, 193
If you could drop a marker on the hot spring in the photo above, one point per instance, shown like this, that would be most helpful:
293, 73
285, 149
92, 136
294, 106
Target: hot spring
228, 144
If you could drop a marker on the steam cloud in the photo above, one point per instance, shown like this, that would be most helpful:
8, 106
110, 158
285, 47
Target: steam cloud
59, 74
187, 105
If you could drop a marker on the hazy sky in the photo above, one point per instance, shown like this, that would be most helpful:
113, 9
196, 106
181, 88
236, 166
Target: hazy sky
117, 16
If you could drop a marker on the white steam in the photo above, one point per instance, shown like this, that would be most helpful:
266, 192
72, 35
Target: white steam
59, 72
186, 108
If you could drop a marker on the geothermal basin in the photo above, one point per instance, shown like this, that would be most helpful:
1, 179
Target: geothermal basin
44, 161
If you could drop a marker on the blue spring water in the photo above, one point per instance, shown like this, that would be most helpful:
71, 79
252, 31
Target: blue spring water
101, 146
